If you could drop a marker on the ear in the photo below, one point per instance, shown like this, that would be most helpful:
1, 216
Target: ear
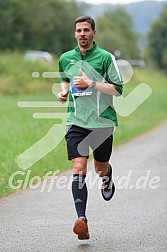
94, 32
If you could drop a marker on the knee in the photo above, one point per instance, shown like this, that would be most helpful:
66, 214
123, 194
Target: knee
79, 167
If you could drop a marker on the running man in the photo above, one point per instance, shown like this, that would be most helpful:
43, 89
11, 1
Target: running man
90, 79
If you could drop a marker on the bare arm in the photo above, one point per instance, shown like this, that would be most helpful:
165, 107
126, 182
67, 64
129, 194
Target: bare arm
62, 96
106, 88
83, 82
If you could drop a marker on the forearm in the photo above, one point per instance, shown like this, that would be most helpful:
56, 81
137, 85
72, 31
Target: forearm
100, 86
62, 96
83, 82
106, 88
65, 87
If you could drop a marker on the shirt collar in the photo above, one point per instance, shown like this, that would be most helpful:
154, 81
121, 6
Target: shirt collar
88, 51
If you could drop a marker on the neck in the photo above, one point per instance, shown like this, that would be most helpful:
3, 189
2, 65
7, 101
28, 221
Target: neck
83, 49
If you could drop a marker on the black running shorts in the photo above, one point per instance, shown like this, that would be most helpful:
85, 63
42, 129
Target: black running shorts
80, 139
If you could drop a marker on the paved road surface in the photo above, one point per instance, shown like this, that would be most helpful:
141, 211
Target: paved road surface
134, 220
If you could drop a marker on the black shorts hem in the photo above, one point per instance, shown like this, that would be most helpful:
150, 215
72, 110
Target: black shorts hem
80, 139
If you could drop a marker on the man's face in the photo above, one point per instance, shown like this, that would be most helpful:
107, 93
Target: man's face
84, 34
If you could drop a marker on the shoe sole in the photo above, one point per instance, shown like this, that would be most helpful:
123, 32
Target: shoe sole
81, 229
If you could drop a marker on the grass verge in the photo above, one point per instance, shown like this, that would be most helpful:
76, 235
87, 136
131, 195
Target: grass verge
19, 130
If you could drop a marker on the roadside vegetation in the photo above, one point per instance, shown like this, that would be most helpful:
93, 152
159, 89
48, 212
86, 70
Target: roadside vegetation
19, 130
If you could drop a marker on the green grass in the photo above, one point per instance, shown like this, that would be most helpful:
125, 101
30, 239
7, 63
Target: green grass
16, 74
150, 113
19, 130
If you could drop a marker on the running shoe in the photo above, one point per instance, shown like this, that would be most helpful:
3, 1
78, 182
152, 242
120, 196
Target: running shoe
108, 187
81, 229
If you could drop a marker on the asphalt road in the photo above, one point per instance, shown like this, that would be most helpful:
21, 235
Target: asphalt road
134, 220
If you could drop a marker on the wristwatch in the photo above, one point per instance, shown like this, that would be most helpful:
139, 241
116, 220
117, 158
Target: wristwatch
93, 84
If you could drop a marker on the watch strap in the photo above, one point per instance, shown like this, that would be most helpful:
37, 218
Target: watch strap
93, 84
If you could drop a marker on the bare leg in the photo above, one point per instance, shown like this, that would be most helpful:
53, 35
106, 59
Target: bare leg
101, 168
104, 170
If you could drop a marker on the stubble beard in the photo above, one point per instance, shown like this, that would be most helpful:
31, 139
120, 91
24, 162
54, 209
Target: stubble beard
83, 43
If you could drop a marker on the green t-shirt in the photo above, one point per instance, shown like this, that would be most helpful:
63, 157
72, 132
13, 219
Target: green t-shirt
95, 110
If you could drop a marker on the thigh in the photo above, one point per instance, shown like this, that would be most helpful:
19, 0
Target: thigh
102, 151
76, 146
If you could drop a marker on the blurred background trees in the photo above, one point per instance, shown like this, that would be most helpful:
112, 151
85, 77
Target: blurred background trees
48, 25
37, 24
157, 41
115, 33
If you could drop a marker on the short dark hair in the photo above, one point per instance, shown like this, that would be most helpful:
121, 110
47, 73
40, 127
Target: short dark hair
85, 19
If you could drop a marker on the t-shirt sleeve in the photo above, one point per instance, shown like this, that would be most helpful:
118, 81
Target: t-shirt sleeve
113, 75
63, 77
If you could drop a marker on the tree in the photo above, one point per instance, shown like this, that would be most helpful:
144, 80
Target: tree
37, 24
12, 23
115, 32
51, 25
157, 41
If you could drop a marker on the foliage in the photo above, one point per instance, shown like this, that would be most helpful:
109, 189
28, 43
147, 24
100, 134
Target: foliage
141, 12
48, 26
158, 41
37, 24
115, 32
